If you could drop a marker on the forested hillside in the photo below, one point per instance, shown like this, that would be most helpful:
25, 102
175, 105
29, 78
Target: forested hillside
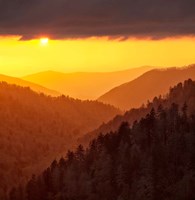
35, 129
180, 94
153, 159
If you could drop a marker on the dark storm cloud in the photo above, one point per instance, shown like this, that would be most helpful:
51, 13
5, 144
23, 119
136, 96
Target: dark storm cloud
84, 18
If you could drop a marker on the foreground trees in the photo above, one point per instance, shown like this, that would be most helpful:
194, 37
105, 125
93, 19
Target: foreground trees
153, 159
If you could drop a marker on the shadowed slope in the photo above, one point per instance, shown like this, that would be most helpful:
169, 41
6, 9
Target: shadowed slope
180, 94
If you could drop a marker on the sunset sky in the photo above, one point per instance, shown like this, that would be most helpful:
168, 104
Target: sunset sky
94, 35
19, 58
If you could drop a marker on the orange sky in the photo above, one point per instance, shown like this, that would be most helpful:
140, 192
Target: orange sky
18, 58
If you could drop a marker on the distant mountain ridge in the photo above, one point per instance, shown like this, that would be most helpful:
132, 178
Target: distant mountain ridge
152, 83
85, 85
23, 83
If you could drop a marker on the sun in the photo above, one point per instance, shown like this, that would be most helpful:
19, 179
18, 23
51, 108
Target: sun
44, 41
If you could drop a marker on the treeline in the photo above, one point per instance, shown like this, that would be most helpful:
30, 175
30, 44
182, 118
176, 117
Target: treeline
35, 129
154, 159
179, 94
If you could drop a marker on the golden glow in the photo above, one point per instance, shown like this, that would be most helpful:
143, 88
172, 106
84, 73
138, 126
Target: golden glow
44, 41
18, 58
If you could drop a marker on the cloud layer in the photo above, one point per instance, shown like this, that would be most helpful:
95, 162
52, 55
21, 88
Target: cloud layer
85, 18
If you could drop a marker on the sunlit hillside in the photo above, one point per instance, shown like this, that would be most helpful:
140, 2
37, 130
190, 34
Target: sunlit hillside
85, 85
152, 83
33, 86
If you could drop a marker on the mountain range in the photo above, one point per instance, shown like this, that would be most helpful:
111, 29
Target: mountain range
84, 85
154, 158
39, 124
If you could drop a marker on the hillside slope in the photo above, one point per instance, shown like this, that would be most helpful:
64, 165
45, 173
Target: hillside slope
85, 85
33, 86
180, 94
153, 83
34, 129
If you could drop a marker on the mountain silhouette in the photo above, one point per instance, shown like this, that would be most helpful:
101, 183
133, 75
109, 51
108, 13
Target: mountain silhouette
84, 85
152, 83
